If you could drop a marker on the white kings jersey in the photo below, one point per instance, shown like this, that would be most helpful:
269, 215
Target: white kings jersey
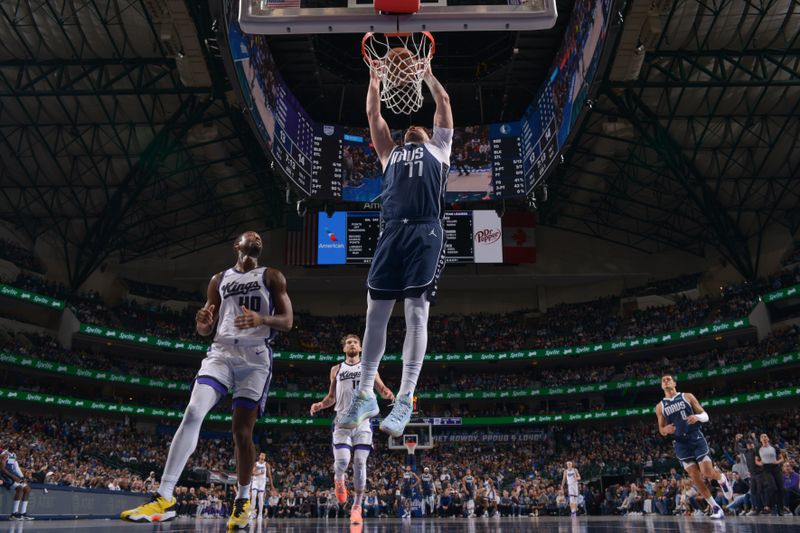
261, 472
237, 289
347, 379
572, 477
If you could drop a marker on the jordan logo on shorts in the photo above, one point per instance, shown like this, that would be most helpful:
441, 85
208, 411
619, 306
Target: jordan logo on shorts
433, 233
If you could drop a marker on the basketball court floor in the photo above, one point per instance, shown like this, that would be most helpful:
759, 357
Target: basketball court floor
599, 524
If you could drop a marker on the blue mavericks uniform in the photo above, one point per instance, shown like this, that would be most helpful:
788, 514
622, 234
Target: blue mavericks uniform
409, 257
689, 441
408, 484
469, 481
427, 485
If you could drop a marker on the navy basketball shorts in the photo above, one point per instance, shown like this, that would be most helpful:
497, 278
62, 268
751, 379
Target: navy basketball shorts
692, 449
408, 261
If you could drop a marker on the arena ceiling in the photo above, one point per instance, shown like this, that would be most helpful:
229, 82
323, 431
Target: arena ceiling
692, 140
118, 134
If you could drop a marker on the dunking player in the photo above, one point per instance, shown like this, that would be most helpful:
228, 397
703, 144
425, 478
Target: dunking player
11, 475
409, 257
248, 304
261, 472
344, 384
680, 414
570, 481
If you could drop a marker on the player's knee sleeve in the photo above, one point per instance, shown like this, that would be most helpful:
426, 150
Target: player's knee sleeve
360, 469
341, 460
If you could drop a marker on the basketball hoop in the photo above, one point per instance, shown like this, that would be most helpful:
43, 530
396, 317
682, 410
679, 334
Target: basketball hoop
400, 61
410, 443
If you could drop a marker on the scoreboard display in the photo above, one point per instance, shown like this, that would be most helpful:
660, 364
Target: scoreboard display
351, 237
488, 162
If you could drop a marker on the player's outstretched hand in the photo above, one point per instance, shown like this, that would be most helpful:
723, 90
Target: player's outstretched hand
316, 408
248, 319
205, 317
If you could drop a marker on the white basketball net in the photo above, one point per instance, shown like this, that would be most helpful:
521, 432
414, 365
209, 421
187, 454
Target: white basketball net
400, 73
411, 446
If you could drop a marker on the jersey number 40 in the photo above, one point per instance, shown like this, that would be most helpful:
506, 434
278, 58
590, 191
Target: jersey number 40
251, 302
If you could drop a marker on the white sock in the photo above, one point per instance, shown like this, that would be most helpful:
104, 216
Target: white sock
15, 507
416, 311
341, 460
243, 491
710, 501
23, 507
203, 398
378, 314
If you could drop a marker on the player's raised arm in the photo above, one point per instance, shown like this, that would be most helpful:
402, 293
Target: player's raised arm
383, 390
207, 316
663, 428
330, 398
700, 414
443, 118
378, 128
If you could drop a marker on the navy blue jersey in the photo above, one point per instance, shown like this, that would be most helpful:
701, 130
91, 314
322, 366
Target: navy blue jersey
427, 485
676, 411
415, 179
469, 481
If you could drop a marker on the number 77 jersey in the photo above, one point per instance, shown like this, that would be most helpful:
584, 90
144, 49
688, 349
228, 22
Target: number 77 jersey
415, 179
248, 289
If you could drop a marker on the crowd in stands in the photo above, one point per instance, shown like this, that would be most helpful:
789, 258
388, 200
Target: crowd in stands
163, 292
518, 471
22, 257
738, 299
680, 283
454, 378
562, 325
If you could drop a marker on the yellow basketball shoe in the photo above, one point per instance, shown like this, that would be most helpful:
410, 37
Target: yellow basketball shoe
240, 517
158, 509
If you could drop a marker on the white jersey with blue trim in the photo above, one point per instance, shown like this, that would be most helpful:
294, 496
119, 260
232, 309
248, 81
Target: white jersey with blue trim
11, 463
572, 477
261, 472
248, 289
348, 377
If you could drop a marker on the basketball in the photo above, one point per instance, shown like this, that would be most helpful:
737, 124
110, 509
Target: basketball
400, 63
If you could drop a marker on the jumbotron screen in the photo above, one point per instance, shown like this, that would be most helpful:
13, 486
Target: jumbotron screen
350, 237
488, 162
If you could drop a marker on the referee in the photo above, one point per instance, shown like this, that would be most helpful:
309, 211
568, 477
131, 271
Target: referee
770, 460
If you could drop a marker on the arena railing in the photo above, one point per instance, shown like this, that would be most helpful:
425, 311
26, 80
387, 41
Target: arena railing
566, 351
63, 402
56, 367
585, 349
22, 294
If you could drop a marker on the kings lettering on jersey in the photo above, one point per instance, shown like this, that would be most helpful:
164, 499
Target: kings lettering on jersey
234, 288
346, 375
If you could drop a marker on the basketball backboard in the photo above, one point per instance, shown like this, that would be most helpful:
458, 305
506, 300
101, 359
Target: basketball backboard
423, 433
281, 17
